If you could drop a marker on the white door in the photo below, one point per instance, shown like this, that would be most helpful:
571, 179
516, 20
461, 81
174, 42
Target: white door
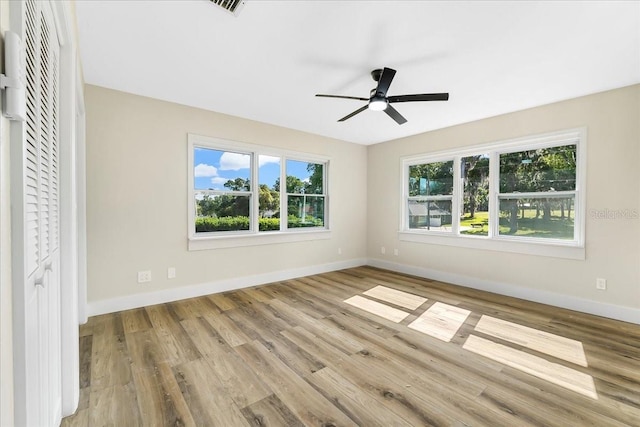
35, 225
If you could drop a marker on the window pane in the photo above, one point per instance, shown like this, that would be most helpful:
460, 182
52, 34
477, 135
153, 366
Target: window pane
305, 211
269, 197
475, 195
221, 212
551, 218
430, 215
221, 170
431, 179
304, 177
545, 169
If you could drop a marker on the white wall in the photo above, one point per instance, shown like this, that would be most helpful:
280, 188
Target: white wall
137, 203
6, 343
612, 120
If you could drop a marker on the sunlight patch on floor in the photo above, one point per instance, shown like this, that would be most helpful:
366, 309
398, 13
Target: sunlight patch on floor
544, 342
393, 296
441, 321
533, 365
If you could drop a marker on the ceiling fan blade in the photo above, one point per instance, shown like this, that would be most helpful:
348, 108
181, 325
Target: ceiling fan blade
393, 113
385, 81
348, 116
342, 97
419, 97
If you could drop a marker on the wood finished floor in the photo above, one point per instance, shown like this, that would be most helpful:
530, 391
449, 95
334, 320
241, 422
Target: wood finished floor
293, 353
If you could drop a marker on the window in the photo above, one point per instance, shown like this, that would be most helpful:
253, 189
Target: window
500, 196
235, 190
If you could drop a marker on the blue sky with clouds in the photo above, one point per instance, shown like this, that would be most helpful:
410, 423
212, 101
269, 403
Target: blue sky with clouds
213, 168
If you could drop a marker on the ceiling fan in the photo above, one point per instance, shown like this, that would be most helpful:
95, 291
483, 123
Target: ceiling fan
379, 101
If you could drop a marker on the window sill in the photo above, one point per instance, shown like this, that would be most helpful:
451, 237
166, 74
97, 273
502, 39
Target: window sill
548, 249
198, 243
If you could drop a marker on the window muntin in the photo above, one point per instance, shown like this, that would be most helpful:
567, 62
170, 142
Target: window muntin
525, 191
236, 190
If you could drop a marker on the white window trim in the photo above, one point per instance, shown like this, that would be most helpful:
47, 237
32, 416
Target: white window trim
252, 237
574, 249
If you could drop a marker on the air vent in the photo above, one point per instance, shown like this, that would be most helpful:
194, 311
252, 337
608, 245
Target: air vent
233, 6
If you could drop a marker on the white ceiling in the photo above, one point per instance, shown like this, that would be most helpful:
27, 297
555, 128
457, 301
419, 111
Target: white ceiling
267, 63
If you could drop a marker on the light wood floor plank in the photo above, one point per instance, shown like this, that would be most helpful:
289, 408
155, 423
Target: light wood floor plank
222, 302
351, 400
376, 308
292, 389
162, 403
385, 390
228, 330
109, 366
175, 342
135, 320
211, 405
270, 412
114, 406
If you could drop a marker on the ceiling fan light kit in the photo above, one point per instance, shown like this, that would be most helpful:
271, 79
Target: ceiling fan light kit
379, 101
378, 104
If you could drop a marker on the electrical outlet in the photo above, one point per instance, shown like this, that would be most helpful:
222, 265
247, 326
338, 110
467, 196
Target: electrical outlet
601, 284
171, 273
383, 250
339, 251
144, 276
395, 252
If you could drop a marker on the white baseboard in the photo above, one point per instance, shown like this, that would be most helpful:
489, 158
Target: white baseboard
626, 314
128, 302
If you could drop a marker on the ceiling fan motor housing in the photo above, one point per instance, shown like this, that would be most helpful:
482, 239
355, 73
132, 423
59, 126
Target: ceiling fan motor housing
378, 100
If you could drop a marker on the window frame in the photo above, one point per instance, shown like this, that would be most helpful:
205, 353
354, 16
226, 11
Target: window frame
561, 248
253, 236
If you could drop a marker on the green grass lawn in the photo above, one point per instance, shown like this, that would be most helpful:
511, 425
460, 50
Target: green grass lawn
530, 226
476, 226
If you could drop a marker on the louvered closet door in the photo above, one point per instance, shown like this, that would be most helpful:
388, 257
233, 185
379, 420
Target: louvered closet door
39, 379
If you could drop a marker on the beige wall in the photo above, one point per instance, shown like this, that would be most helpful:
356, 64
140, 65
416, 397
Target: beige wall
613, 182
137, 197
